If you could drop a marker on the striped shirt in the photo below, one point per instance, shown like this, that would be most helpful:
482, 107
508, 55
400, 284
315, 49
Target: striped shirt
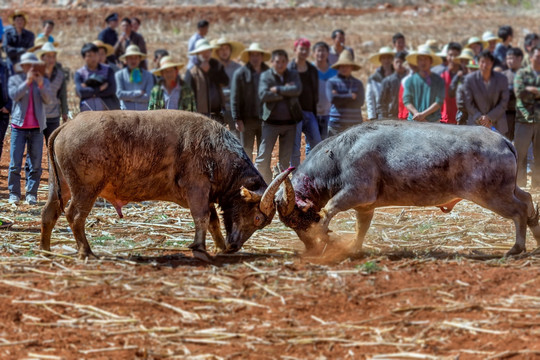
344, 108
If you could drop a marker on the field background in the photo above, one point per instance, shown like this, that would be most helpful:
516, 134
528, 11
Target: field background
430, 286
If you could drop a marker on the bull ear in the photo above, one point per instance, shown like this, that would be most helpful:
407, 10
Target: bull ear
287, 201
250, 196
267, 202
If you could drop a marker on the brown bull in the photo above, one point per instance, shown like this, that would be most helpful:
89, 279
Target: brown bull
168, 155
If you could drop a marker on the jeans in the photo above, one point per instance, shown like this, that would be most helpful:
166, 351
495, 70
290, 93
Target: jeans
336, 127
252, 131
4, 122
323, 125
52, 124
32, 139
309, 126
270, 134
511, 120
523, 136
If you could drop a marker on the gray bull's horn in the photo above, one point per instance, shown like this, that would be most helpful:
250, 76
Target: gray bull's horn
287, 201
267, 201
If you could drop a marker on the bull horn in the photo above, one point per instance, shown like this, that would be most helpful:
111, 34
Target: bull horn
288, 199
267, 201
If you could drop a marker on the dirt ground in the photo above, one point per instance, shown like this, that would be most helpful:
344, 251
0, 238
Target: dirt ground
429, 286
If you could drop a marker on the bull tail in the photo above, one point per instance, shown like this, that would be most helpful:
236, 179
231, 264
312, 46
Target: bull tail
54, 166
514, 151
533, 219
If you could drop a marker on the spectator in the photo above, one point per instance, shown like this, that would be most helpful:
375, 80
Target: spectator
135, 24
1, 29
58, 106
308, 99
441, 68
491, 40
486, 95
206, 79
133, 84
346, 95
390, 100
109, 34
104, 54
531, 41
398, 40
527, 132
383, 60
202, 29
279, 88
449, 108
129, 37
325, 72
95, 83
5, 102
338, 45
226, 52
158, 55
170, 92
29, 91
506, 34
476, 45
17, 40
48, 27
245, 102
423, 92
456, 86
514, 57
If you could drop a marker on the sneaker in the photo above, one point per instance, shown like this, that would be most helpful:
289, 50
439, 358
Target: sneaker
31, 199
14, 199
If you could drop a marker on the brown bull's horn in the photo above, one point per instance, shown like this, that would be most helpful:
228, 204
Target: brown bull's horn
288, 199
267, 201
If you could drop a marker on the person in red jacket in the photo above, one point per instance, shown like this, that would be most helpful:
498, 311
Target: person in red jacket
449, 108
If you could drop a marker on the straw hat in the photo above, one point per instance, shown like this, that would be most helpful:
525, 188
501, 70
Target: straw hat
376, 58
133, 50
475, 40
433, 45
444, 52
202, 45
30, 59
346, 58
236, 47
40, 41
254, 47
488, 36
466, 54
19, 13
472, 64
167, 62
109, 50
47, 48
424, 50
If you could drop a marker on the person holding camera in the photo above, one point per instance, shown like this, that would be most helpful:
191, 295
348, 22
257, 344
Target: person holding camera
30, 91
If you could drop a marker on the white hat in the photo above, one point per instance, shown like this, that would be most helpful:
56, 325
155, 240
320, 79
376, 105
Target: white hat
30, 58
133, 50
376, 58
47, 48
202, 45
254, 47
488, 36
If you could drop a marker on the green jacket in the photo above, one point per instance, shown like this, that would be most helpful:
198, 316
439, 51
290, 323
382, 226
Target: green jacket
527, 104
186, 102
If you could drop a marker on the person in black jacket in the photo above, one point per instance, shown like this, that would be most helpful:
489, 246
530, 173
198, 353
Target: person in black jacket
308, 98
245, 102
17, 40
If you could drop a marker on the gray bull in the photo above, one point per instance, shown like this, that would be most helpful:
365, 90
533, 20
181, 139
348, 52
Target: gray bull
168, 155
403, 163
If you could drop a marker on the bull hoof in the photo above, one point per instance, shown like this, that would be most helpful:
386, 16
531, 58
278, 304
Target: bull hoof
203, 256
515, 250
87, 255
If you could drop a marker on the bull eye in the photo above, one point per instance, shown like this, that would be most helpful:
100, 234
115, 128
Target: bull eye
257, 220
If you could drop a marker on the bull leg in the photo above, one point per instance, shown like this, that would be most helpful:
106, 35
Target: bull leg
51, 212
363, 221
215, 229
76, 214
200, 211
532, 213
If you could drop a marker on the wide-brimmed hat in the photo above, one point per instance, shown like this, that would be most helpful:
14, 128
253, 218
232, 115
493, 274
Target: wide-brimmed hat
133, 50
475, 40
423, 50
109, 50
236, 47
376, 58
346, 58
444, 52
254, 47
40, 41
30, 58
466, 54
202, 45
433, 45
167, 62
488, 36
472, 64
47, 48
19, 13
